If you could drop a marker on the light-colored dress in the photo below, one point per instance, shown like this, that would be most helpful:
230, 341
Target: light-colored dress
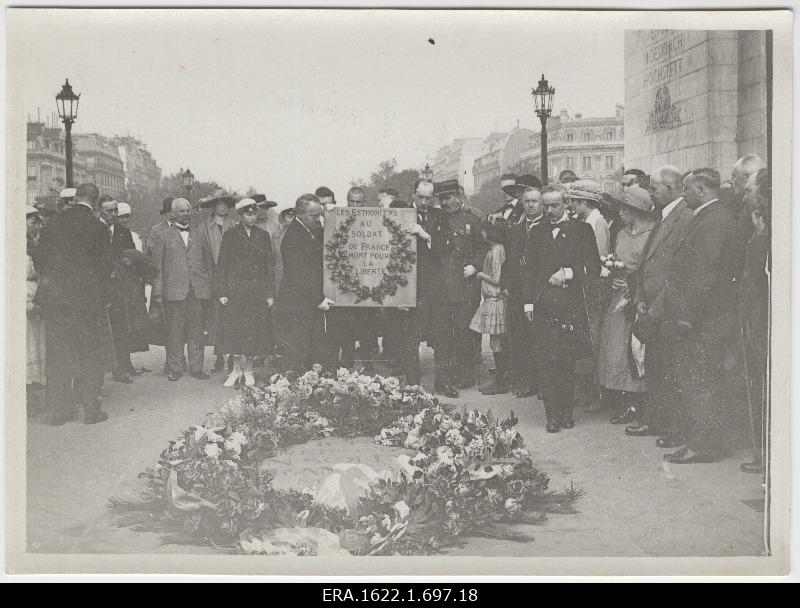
34, 330
491, 316
614, 364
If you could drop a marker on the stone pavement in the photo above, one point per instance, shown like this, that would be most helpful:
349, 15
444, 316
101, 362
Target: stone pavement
633, 504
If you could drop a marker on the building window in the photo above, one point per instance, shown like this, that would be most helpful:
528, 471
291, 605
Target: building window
609, 135
570, 162
587, 136
587, 163
31, 173
570, 137
610, 162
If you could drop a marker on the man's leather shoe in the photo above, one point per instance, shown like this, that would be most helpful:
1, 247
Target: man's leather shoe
639, 430
596, 406
629, 416
686, 456
448, 390
200, 375
123, 378
568, 423
756, 467
669, 442
174, 376
552, 427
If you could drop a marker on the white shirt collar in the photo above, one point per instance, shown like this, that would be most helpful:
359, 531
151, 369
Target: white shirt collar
87, 205
668, 209
592, 217
696, 211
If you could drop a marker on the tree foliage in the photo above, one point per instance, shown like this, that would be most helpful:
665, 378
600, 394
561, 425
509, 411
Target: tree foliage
386, 175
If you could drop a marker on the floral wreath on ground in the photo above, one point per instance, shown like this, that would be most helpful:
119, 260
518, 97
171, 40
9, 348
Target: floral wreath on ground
469, 474
401, 261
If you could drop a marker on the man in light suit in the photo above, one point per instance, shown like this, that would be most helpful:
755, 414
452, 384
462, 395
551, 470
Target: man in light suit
663, 396
700, 314
184, 260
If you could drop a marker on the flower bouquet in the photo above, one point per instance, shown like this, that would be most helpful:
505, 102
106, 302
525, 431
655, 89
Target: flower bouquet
615, 268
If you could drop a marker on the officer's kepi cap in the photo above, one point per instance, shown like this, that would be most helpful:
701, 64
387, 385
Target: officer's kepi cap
449, 186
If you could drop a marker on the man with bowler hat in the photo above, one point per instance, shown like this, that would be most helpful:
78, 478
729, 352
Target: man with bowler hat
166, 222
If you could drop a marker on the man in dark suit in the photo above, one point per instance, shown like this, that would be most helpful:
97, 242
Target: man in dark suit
183, 284
75, 256
433, 245
662, 398
120, 239
511, 211
461, 349
301, 302
700, 313
563, 259
520, 249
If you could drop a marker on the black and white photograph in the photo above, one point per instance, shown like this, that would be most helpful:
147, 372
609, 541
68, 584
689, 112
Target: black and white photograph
389, 290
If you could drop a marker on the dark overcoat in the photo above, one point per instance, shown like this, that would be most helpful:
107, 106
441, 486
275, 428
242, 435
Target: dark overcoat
560, 319
245, 274
431, 261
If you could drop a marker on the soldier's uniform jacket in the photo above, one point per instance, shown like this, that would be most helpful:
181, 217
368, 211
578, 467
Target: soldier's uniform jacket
465, 246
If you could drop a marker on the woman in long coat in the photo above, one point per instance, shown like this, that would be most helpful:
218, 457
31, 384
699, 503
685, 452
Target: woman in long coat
616, 370
244, 283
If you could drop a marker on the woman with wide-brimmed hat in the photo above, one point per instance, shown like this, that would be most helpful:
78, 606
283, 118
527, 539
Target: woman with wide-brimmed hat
617, 370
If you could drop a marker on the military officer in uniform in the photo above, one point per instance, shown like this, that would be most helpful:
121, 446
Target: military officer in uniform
459, 347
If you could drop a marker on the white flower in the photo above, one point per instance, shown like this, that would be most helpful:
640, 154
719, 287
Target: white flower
311, 378
213, 437
454, 437
392, 384
365, 380
506, 470
419, 459
274, 378
445, 455
512, 506
212, 450
401, 509
317, 368
395, 395
412, 440
386, 522
374, 387
493, 495
342, 374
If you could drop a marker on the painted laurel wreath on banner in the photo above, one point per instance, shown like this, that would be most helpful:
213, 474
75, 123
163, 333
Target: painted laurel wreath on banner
401, 261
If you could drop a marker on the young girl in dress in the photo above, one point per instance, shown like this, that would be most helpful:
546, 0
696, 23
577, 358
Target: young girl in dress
490, 318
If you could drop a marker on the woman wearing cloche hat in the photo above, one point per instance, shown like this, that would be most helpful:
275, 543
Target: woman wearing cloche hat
244, 283
620, 371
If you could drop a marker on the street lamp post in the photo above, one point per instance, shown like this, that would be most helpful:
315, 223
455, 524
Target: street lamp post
67, 104
188, 182
543, 100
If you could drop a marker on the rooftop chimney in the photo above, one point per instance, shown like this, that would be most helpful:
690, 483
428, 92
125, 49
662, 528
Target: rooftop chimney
578, 115
563, 114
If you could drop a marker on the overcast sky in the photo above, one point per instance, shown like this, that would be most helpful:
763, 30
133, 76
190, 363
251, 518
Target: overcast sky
286, 102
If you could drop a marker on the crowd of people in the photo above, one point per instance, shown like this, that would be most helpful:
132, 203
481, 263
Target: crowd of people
638, 302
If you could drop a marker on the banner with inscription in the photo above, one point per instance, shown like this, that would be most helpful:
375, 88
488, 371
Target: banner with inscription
369, 258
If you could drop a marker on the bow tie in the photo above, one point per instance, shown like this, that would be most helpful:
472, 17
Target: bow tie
182, 228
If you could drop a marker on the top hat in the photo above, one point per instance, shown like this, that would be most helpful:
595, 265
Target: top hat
166, 205
523, 183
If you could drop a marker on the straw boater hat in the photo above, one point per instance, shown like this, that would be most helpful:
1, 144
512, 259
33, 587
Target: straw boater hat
68, 193
123, 209
587, 190
245, 203
637, 198
29, 211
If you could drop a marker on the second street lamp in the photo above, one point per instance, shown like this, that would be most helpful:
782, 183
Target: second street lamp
67, 104
543, 100
188, 181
